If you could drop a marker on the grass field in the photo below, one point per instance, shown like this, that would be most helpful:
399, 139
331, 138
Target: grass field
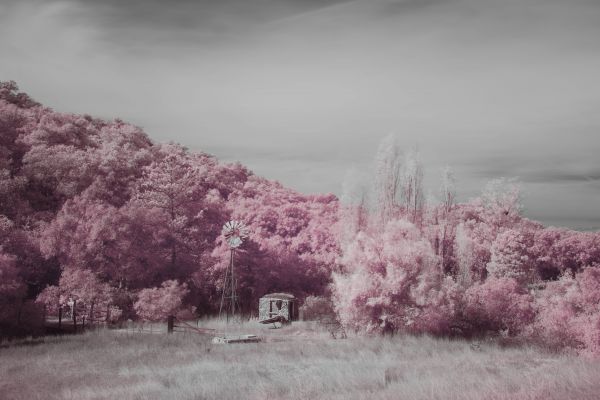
296, 362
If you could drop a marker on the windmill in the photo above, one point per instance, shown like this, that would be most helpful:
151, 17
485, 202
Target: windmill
234, 232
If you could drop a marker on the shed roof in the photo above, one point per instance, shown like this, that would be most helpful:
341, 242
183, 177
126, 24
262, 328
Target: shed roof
279, 296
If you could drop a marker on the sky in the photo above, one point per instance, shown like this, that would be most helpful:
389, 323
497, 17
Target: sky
301, 91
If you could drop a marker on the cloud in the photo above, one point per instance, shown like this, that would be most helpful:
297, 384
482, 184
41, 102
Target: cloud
185, 15
547, 170
408, 6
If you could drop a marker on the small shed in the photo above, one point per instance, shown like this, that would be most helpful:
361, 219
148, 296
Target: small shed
277, 307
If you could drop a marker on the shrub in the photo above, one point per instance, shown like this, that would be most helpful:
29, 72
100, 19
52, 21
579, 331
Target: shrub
497, 305
317, 308
156, 304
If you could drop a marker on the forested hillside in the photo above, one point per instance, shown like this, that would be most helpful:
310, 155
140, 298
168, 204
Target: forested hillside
93, 209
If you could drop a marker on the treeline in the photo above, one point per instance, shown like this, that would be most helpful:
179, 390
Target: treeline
94, 211
472, 269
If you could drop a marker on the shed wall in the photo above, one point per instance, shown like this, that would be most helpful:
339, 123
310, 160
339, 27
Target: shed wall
267, 308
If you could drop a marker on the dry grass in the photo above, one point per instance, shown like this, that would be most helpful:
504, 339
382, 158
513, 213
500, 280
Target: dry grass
297, 362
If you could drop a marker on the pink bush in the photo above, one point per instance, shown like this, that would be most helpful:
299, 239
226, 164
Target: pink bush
156, 304
396, 275
498, 304
569, 312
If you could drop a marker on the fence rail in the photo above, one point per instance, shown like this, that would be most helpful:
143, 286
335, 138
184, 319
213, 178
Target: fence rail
177, 325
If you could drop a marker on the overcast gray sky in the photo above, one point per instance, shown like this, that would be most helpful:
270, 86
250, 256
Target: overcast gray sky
302, 90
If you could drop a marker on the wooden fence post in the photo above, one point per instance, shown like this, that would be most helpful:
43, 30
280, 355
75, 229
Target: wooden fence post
170, 323
74, 316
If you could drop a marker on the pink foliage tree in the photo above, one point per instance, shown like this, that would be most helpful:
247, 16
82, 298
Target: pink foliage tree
156, 304
396, 275
84, 287
510, 256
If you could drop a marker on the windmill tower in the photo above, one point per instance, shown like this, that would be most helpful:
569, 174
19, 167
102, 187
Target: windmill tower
234, 232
